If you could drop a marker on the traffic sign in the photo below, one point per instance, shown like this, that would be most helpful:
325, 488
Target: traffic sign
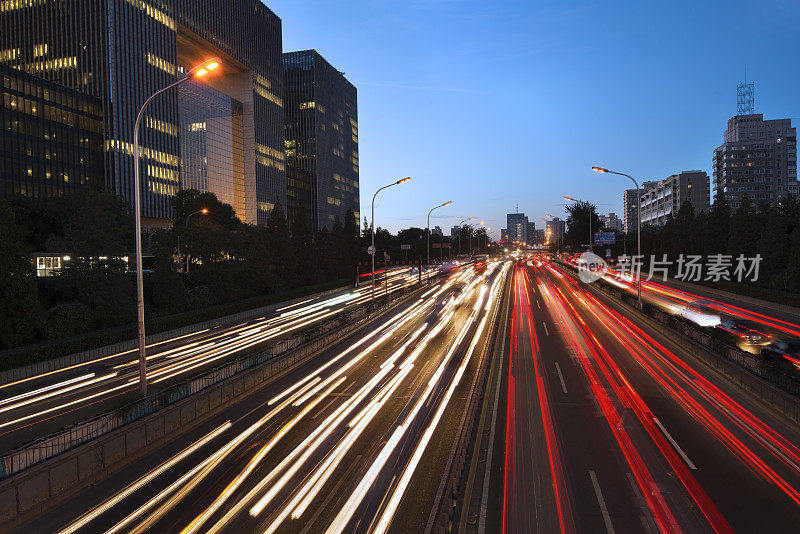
405, 247
608, 253
371, 250
605, 238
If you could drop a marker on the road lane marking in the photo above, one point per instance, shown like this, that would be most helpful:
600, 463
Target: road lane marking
545, 328
561, 377
602, 503
537, 305
488, 469
674, 444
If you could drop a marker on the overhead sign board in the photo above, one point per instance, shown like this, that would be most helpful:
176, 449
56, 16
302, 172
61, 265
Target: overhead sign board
605, 238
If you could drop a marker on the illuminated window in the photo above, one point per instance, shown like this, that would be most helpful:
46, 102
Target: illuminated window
162, 64
40, 50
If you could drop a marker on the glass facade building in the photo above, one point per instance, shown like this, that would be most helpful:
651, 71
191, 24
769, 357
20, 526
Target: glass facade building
321, 126
52, 137
122, 51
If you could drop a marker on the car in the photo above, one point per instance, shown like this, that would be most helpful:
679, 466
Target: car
742, 332
701, 312
782, 352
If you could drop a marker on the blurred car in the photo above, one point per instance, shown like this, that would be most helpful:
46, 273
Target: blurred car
783, 352
743, 332
701, 312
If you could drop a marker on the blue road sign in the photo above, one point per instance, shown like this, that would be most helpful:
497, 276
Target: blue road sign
605, 238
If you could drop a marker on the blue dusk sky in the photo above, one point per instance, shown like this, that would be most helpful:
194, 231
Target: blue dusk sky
490, 104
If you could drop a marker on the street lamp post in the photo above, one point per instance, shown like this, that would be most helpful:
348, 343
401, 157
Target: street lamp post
638, 226
186, 224
429, 235
372, 227
460, 226
203, 69
591, 212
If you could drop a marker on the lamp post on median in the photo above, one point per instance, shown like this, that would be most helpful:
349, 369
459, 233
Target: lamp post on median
372, 228
638, 225
460, 226
429, 234
206, 68
204, 211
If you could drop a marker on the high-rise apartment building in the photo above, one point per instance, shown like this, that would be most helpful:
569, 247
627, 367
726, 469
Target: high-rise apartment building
612, 222
758, 158
663, 198
630, 208
517, 227
321, 137
224, 136
555, 229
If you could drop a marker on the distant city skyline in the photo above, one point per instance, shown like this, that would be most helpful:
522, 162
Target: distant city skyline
447, 112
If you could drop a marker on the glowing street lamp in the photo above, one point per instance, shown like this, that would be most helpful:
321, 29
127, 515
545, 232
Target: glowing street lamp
460, 225
203, 211
429, 234
638, 224
372, 228
206, 68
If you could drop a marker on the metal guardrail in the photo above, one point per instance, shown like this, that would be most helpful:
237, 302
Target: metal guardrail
80, 433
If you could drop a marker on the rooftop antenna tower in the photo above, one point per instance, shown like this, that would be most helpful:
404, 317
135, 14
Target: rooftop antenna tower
744, 96
517, 208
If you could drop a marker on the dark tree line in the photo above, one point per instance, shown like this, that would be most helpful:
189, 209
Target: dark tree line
227, 259
773, 231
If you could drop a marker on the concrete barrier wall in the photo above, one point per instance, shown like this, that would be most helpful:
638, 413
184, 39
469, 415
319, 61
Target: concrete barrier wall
42, 486
19, 373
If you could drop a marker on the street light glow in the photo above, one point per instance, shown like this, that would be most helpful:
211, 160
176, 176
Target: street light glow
570, 199
599, 169
400, 181
204, 211
206, 67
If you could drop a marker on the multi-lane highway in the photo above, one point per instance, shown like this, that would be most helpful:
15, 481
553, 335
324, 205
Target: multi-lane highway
356, 439
612, 427
38, 405
602, 422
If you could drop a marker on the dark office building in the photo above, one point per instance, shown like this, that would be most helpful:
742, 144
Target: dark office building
321, 118
51, 140
122, 51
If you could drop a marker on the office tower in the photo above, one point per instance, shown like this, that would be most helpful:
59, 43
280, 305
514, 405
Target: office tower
321, 135
224, 135
555, 229
517, 226
51, 137
612, 222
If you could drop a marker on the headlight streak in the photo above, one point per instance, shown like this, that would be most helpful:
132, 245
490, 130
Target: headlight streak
106, 505
305, 389
91, 362
388, 513
47, 388
203, 468
256, 460
56, 393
